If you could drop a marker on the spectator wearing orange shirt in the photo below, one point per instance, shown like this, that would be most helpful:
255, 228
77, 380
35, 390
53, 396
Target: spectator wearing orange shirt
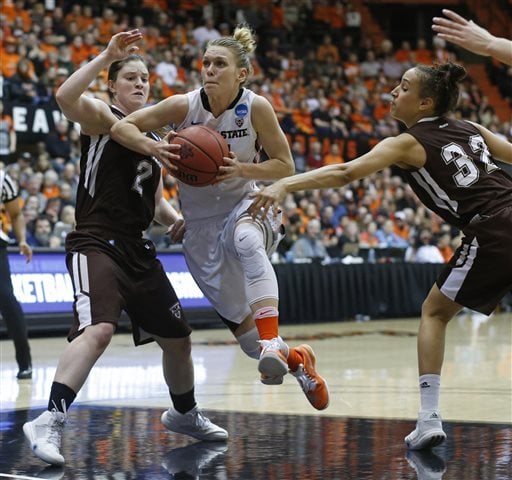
321, 14
49, 42
106, 25
401, 228
367, 237
155, 4
361, 123
352, 67
326, 49
444, 244
74, 14
379, 105
301, 117
11, 11
79, 52
153, 38
337, 21
170, 187
86, 20
90, 45
334, 155
404, 54
10, 56
50, 186
422, 54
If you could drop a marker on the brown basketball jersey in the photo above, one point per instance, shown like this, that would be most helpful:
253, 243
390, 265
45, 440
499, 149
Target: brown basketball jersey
459, 179
116, 192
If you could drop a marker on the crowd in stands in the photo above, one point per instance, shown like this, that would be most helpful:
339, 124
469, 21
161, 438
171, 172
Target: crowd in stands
328, 82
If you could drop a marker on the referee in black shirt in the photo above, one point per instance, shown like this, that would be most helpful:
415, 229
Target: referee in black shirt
9, 306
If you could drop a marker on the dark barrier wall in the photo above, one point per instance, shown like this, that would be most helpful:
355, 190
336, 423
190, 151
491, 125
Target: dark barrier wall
309, 292
318, 293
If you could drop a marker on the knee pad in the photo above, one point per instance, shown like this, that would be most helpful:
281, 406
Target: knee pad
249, 343
260, 277
250, 249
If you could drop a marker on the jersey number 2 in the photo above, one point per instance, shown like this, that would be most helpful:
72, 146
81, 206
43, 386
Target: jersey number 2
144, 171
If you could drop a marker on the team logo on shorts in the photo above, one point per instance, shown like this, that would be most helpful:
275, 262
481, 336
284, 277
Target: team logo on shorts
176, 310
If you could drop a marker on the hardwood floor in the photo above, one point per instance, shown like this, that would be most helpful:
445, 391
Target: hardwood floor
114, 428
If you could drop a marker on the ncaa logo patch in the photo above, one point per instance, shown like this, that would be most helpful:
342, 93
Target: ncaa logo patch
241, 110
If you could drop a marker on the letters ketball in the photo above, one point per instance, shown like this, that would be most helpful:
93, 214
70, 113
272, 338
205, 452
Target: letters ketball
202, 152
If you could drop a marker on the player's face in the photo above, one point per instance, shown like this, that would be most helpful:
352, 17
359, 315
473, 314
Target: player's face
131, 88
405, 103
219, 72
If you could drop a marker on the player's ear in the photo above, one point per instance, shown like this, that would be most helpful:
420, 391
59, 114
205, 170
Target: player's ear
242, 74
427, 103
111, 88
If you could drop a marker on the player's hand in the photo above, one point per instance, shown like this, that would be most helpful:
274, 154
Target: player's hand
267, 198
122, 44
26, 250
177, 230
462, 32
167, 152
232, 168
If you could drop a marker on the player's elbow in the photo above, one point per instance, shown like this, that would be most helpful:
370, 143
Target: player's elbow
62, 98
343, 175
116, 129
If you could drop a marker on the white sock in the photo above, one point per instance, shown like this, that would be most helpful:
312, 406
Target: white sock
429, 392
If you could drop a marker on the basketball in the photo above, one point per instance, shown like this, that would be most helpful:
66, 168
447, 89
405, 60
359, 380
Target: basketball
201, 155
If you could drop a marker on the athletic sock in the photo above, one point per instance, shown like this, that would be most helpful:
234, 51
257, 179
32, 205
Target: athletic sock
60, 392
267, 322
429, 392
183, 402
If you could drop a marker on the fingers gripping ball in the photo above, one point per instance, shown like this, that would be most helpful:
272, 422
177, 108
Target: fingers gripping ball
202, 152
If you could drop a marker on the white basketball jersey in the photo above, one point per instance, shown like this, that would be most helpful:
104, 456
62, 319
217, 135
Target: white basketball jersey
235, 126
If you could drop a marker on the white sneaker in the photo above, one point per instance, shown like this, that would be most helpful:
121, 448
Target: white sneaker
427, 464
192, 458
193, 423
428, 433
273, 359
44, 435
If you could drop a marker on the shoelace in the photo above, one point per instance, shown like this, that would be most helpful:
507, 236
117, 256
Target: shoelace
54, 435
200, 420
307, 383
270, 344
57, 424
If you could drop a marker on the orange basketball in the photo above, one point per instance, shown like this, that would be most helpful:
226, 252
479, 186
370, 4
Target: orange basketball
202, 152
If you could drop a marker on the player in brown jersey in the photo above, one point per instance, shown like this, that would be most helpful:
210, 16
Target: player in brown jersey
112, 266
451, 166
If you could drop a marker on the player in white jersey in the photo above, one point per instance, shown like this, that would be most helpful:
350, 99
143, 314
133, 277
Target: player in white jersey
225, 248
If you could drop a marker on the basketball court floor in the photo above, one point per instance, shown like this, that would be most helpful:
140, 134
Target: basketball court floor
114, 430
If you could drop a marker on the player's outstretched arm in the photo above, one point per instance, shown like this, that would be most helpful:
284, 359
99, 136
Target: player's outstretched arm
93, 115
387, 152
467, 34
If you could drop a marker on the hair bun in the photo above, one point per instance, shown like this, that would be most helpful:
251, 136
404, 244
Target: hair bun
456, 72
